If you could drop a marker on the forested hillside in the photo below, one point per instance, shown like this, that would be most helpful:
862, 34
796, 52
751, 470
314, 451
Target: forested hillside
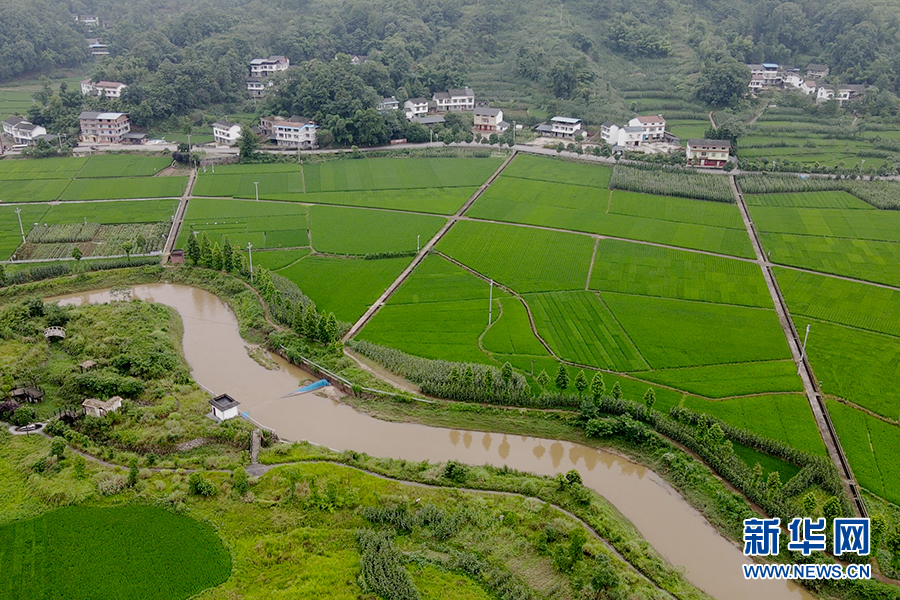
575, 57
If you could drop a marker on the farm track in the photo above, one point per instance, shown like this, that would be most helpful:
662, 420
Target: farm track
424, 252
178, 219
810, 383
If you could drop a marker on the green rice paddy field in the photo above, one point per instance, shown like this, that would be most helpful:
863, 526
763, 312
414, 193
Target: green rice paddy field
602, 279
100, 177
82, 552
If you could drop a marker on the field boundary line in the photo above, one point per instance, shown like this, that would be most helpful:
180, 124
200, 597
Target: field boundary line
426, 249
836, 276
863, 409
510, 291
747, 306
614, 238
609, 201
303, 177
810, 383
587, 284
624, 331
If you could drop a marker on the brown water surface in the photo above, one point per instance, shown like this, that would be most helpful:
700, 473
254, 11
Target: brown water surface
218, 357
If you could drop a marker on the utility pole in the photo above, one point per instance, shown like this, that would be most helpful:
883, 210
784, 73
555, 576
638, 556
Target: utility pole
417, 242
803, 350
21, 229
256, 185
250, 252
189, 142
514, 133
491, 303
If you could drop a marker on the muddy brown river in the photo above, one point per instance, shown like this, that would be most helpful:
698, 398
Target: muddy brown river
220, 363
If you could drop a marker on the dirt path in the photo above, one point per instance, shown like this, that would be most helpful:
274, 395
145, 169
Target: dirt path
810, 383
423, 253
178, 219
712, 121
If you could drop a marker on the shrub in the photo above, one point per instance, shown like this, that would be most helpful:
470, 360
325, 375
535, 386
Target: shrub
201, 486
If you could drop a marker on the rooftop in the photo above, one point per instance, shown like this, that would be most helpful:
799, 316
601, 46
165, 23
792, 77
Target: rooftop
224, 124
487, 111
224, 402
710, 143
651, 119
566, 120
111, 116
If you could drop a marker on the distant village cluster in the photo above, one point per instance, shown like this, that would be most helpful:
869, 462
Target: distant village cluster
773, 76
645, 134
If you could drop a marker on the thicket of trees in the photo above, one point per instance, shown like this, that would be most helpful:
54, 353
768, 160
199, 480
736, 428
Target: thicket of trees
573, 59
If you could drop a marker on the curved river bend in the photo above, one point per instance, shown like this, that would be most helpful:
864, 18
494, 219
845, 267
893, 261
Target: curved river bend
219, 361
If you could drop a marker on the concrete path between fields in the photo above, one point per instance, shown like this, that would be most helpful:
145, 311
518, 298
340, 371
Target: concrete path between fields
178, 219
804, 369
423, 252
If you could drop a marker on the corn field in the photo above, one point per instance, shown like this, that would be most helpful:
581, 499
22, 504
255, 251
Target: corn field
880, 194
671, 182
50, 234
92, 239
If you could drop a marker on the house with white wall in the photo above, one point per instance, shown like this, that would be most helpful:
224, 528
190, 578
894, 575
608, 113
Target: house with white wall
455, 100
562, 127
295, 133
226, 133
266, 67
22, 131
489, 119
708, 153
415, 107
112, 89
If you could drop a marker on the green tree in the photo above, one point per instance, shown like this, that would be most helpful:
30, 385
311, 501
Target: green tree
193, 249
247, 144
2, 275
773, 483
310, 321
650, 398
58, 447
617, 391
808, 504
892, 543
331, 328
562, 377
297, 321
127, 247
205, 250
878, 526
238, 261
216, 260
76, 253
832, 509
581, 382
322, 329
722, 83
543, 379
227, 256
598, 387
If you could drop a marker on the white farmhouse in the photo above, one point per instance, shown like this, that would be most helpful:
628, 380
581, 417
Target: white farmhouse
22, 131
455, 100
563, 127
653, 127
112, 89
257, 86
489, 119
296, 133
266, 67
415, 107
226, 133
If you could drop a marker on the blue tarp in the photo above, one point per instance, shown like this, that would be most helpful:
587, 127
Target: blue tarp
312, 386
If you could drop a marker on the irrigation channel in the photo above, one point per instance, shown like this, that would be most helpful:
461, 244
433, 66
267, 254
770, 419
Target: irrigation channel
220, 363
